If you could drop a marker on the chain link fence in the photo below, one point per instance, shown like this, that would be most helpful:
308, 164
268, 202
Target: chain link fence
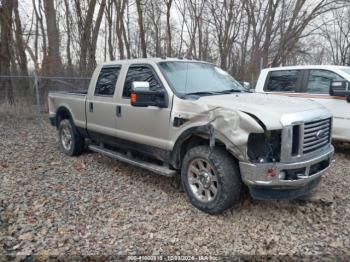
28, 94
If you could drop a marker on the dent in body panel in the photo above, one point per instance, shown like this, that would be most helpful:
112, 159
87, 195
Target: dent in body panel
231, 127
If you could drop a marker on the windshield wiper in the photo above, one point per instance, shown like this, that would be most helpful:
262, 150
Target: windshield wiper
230, 91
214, 92
202, 93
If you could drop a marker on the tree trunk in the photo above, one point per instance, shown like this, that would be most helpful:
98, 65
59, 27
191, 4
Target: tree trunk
5, 45
269, 23
126, 32
85, 38
68, 48
120, 6
39, 18
20, 47
127, 43
109, 18
19, 42
92, 49
168, 27
52, 64
141, 28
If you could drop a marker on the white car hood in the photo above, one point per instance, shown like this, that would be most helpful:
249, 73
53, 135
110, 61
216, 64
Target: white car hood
268, 108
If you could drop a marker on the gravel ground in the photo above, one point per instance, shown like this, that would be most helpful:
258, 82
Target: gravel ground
51, 204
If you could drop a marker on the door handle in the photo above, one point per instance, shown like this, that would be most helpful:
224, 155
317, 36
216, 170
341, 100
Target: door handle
91, 107
119, 111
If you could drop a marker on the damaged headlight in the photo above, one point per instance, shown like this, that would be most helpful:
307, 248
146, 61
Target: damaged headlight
265, 147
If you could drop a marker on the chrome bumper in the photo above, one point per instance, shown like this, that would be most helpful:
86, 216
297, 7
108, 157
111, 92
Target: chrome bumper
273, 175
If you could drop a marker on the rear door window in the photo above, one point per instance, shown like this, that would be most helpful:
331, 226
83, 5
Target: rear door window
319, 81
106, 82
283, 81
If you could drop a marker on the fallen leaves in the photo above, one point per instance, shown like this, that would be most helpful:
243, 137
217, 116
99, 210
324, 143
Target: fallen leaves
99, 212
26, 237
79, 166
3, 166
116, 168
38, 204
55, 163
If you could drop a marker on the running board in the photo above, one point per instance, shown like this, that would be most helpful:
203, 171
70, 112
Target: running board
161, 170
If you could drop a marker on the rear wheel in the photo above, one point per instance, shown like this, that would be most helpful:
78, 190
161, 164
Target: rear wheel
71, 142
211, 179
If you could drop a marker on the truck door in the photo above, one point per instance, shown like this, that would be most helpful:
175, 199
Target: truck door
143, 125
316, 87
101, 104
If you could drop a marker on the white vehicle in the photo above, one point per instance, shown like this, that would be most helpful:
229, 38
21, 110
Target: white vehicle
325, 84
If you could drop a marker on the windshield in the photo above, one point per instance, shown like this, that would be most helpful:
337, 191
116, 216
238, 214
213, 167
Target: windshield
346, 70
196, 77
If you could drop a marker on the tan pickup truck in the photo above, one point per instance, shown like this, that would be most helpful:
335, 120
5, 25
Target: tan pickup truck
179, 116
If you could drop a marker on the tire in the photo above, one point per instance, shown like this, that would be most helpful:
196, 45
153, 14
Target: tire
223, 174
71, 142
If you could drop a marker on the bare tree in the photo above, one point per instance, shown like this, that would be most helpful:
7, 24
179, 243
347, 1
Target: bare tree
109, 18
154, 14
120, 10
95, 34
6, 9
227, 18
85, 25
295, 17
140, 11
337, 33
168, 4
39, 24
52, 63
20, 45
68, 48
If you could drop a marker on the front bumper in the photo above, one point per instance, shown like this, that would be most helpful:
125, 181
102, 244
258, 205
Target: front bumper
286, 175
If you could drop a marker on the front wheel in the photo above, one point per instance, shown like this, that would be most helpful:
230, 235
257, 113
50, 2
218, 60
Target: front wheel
71, 142
211, 179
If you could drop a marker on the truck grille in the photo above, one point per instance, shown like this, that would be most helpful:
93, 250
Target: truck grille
317, 134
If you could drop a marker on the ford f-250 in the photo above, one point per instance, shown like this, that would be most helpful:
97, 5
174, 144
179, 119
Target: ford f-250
174, 116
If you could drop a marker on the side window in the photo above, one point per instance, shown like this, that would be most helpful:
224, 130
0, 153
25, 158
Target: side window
283, 81
106, 81
319, 81
140, 73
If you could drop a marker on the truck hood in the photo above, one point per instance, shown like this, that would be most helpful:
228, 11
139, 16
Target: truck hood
268, 108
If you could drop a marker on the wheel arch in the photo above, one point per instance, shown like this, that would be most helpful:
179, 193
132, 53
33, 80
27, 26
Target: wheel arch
194, 136
62, 113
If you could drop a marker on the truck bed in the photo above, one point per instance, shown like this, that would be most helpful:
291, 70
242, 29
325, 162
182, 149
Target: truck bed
80, 92
75, 101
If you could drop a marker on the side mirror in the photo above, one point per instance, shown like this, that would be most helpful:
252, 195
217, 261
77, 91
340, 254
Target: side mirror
339, 88
142, 96
247, 85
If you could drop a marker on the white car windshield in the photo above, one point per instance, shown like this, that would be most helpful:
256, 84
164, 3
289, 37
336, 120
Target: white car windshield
198, 78
346, 70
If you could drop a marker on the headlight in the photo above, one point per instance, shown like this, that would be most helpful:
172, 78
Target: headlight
264, 147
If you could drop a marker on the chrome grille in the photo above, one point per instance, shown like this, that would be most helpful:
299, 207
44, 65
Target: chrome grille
317, 134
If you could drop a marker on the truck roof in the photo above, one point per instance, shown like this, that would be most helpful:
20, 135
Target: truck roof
329, 67
151, 59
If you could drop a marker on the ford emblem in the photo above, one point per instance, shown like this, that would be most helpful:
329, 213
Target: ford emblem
320, 134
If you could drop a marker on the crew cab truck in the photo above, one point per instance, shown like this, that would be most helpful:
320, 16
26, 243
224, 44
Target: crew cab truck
325, 84
179, 116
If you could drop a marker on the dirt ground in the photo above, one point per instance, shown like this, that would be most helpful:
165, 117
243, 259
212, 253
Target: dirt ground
52, 205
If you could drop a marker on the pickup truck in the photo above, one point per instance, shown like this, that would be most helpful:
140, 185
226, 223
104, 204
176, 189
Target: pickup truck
328, 85
180, 116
